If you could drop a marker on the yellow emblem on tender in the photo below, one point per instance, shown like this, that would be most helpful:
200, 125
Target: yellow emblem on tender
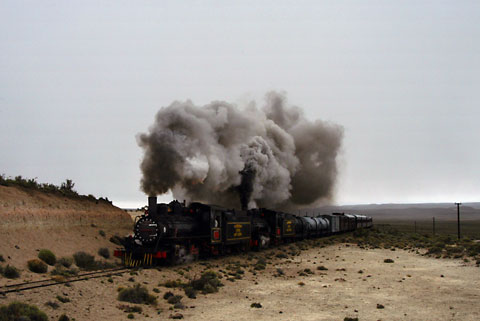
238, 230
289, 226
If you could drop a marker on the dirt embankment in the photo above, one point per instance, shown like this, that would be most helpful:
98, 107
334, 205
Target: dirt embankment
20, 208
31, 220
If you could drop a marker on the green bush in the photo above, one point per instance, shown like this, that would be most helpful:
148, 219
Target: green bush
174, 299
208, 282
11, 272
261, 264
173, 284
84, 260
63, 271
21, 311
37, 266
116, 240
65, 261
138, 294
102, 233
190, 292
434, 250
64, 317
53, 305
63, 299
104, 252
47, 256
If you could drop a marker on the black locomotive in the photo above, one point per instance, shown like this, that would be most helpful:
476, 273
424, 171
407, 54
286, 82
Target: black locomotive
176, 233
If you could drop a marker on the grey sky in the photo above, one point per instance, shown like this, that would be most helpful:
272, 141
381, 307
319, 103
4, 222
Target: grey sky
79, 80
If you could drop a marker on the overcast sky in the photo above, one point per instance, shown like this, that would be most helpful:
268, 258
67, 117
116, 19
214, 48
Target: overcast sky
80, 79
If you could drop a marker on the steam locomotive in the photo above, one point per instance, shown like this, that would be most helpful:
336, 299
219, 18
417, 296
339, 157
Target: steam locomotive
175, 233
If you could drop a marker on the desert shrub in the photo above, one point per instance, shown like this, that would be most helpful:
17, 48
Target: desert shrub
130, 316
174, 299
321, 268
47, 256
127, 308
308, 271
388, 261
1, 258
167, 295
172, 284
190, 292
53, 305
97, 265
256, 305
102, 233
84, 260
208, 282
60, 270
37, 266
473, 249
350, 319
282, 256
434, 250
104, 252
63, 299
21, 311
138, 294
261, 264
11, 272
63, 317
65, 261
116, 240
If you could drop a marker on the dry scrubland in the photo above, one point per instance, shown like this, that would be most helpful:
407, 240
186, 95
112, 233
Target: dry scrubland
381, 274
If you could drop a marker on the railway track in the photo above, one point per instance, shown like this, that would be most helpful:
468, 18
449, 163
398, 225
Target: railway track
19, 287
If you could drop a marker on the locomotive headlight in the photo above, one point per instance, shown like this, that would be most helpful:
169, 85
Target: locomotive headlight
217, 223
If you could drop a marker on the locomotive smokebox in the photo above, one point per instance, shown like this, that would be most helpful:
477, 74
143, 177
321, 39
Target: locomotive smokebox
152, 205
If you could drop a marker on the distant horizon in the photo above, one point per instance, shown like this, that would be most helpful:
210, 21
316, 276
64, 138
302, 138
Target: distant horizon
130, 205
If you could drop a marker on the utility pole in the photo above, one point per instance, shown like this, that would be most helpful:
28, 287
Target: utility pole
433, 218
458, 218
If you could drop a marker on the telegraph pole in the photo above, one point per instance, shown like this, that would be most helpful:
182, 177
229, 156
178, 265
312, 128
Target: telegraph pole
433, 218
458, 218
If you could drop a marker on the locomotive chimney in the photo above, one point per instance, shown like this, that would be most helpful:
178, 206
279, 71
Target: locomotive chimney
152, 205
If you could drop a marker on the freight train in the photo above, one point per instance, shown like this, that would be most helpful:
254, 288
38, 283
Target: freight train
174, 233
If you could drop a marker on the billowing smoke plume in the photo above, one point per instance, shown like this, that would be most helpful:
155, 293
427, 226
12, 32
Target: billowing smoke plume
222, 154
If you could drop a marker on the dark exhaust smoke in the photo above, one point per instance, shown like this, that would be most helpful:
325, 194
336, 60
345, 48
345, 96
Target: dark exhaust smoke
245, 189
223, 154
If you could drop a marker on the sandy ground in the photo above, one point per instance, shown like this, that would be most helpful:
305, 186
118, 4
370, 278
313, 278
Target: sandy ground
412, 288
